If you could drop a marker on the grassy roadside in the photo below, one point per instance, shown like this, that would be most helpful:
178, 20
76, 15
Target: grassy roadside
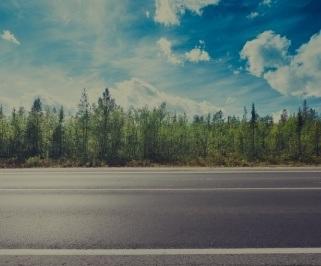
37, 162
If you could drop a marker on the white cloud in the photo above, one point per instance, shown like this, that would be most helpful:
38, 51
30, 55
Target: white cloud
267, 51
20, 85
8, 36
196, 55
298, 74
138, 93
267, 2
82, 24
302, 76
277, 116
236, 72
166, 48
64, 89
252, 15
168, 12
230, 100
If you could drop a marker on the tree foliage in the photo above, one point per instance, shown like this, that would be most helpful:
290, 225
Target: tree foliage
104, 134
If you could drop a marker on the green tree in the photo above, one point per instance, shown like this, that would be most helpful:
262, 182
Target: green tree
57, 145
103, 125
33, 130
83, 117
299, 127
253, 125
18, 124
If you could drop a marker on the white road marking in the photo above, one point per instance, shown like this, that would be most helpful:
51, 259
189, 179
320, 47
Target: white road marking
160, 189
155, 252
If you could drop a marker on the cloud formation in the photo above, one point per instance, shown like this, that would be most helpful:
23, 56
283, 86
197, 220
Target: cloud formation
297, 75
252, 15
268, 50
139, 93
267, 2
9, 37
196, 55
22, 84
168, 12
65, 89
165, 47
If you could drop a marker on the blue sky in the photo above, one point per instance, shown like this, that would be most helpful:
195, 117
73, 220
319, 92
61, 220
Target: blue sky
197, 55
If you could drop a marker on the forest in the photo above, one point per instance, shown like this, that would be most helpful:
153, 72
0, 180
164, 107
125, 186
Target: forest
103, 134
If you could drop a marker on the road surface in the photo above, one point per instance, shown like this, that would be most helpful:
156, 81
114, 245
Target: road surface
160, 216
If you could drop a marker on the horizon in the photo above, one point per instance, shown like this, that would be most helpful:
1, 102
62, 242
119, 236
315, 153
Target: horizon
69, 112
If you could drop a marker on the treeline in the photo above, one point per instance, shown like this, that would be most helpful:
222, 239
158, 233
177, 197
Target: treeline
104, 134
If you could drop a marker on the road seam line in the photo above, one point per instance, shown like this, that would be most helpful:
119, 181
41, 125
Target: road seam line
159, 189
161, 172
155, 252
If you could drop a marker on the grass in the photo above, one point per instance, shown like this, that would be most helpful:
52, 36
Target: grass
38, 162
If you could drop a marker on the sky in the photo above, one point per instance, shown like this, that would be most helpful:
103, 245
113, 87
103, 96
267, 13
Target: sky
199, 56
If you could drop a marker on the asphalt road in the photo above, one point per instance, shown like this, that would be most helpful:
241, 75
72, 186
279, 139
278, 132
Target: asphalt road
160, 209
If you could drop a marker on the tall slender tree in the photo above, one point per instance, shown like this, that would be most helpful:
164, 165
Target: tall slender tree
103, 124
33, 130
83, 116
57, 147
253, 124
299, 128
